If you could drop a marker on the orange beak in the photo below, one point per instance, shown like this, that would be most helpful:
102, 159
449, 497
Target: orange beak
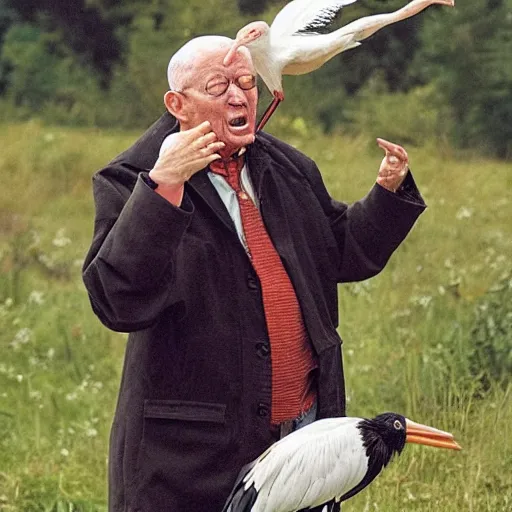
429, 436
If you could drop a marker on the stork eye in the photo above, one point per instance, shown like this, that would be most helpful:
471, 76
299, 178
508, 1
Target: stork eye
398, 425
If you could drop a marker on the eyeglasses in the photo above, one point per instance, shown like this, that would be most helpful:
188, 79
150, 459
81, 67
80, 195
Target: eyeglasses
219, 84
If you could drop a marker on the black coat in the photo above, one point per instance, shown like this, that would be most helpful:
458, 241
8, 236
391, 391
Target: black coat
194, 403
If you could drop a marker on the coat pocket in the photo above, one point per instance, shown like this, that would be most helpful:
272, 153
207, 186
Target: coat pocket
185, 410
186, 455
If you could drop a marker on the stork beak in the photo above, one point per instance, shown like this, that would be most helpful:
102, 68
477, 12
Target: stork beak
228, 59
429, 436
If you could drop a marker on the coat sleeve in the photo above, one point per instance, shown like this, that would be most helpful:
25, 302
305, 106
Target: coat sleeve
368, 231
129, 269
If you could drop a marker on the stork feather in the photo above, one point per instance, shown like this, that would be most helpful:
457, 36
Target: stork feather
306, 15
318, 467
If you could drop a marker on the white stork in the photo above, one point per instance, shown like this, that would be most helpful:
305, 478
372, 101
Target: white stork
327, 462
290, 46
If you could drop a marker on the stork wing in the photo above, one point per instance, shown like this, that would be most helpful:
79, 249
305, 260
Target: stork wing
306, 14
309, 467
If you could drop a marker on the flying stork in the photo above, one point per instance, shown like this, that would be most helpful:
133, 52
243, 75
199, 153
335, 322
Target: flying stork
290, 46
327, 462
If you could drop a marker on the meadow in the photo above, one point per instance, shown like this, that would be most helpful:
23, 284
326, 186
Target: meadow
430, 337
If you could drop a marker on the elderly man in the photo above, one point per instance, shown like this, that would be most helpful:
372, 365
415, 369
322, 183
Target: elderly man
219, 250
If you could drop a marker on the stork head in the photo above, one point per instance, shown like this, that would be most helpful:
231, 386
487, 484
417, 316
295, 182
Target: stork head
248, 35
387, 434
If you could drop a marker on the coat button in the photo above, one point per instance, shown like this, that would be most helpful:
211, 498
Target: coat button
263, 410
252, 284
262, 349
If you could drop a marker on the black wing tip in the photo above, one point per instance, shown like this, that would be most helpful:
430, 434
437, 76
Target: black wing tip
242, 500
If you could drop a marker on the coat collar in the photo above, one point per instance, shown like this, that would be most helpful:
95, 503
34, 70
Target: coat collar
144, 153
258, 162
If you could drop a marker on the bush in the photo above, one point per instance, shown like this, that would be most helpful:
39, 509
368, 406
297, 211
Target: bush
409, 118
491, 337
44, 76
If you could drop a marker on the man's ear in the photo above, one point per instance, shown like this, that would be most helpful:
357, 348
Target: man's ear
174, 103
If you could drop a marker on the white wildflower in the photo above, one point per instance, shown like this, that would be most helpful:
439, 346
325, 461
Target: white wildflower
35, 395
46, 260
410, 495
61, 239
36, 297
91, 432
400, 313
19, 377
464, 213
64, 452
22, 337
422, 300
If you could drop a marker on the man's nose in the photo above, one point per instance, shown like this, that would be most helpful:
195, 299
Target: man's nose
236, 96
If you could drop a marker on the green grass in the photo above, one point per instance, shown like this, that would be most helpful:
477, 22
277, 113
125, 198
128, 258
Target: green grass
409, 342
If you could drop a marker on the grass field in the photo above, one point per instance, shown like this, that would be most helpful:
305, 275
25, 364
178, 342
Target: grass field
430, 337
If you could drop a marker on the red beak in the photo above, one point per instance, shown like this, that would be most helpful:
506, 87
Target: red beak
228, 59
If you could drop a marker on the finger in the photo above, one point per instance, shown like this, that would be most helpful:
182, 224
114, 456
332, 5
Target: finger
212, 157
203, 128
212, 148
394, 149
201, 163
204, 140
384, 144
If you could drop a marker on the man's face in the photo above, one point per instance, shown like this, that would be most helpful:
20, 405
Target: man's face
232, 114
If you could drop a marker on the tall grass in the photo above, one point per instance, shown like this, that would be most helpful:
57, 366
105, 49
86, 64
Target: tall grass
409, 339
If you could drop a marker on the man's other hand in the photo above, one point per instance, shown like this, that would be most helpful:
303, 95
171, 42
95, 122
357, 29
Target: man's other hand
394, 165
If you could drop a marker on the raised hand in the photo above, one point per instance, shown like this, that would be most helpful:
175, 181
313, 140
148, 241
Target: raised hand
184, 153
394, 165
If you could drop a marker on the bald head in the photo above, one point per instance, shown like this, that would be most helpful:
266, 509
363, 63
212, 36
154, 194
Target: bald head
232, 112
183, 61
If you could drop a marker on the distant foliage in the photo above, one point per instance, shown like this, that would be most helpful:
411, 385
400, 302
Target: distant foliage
418, 115
103, 62
491, 337
252, 6
467, 54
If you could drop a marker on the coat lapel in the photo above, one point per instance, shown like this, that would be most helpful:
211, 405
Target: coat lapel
202, 185
259, 163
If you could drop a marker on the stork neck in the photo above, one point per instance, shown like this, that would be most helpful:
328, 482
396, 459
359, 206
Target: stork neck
379, 452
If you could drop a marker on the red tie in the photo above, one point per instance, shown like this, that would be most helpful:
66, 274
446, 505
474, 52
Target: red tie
292, 356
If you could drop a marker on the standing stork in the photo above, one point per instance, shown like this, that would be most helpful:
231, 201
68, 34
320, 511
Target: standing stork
290, 46
327, 462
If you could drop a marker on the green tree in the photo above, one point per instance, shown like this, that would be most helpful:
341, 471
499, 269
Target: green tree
473, 71
43, 70
85, 26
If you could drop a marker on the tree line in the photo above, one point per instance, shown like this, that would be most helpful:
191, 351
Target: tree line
445, 73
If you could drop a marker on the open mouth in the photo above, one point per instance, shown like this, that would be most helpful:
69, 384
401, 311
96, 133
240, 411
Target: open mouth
238, 122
